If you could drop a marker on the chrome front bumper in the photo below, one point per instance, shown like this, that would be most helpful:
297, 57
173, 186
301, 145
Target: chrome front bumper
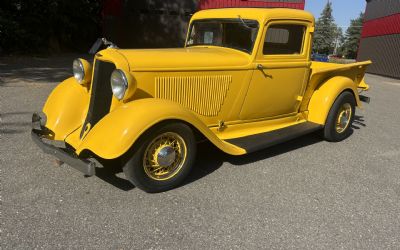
39, 133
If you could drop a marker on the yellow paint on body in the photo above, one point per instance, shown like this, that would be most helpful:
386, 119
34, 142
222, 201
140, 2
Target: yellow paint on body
66, 108
206, 86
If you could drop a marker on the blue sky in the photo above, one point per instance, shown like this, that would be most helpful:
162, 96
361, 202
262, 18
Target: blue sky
343, 10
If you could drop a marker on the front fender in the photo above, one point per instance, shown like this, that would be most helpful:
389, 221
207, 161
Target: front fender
116, 133
325, 95
66, 107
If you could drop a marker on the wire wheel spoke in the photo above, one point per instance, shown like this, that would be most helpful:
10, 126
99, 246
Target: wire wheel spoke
164, 156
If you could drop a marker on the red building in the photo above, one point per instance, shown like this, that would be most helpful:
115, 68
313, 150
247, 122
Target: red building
380, 39
214, 4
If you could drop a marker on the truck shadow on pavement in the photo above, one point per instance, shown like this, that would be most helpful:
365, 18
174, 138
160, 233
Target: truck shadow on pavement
110, 173
358, 122
209, 159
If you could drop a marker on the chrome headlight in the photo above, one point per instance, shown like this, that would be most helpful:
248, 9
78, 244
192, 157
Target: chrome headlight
82, 70
78, 70
119, 84
123, 85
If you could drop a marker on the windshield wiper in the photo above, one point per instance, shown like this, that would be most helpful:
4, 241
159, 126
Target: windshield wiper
244, 23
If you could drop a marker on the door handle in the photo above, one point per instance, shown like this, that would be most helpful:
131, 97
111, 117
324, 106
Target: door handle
262, 69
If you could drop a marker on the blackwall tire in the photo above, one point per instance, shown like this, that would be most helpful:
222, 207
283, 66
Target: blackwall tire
340, 118
162, 158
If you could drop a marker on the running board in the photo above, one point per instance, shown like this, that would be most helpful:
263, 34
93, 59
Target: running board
257, 142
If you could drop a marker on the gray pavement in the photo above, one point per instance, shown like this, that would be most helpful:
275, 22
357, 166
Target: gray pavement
303, 194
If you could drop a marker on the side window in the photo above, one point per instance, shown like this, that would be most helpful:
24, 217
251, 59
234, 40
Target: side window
284, 39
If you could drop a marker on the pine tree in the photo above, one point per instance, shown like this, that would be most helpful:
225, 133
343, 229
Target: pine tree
353, 36
325, 32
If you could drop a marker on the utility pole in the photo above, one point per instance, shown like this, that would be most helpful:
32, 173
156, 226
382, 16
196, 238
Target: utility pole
336, 44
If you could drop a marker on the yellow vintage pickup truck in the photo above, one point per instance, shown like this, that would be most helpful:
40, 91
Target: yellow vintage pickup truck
243, 81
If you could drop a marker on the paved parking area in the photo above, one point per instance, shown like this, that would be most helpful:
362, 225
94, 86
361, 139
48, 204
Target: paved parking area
303, 194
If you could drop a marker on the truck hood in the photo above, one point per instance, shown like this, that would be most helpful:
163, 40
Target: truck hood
185, 58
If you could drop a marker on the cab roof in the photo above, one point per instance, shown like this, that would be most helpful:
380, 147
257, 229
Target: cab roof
262, 15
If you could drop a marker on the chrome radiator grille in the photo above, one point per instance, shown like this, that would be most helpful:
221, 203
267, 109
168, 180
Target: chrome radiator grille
101, 94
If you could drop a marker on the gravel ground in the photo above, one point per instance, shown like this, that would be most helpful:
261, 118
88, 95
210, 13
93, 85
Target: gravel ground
303, 194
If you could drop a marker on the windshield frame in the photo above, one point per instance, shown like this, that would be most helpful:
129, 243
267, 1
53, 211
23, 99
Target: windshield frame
238, 20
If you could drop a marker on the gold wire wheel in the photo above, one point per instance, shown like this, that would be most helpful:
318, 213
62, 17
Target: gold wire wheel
343, 118
164, 156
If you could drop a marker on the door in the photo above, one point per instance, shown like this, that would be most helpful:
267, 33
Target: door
280, 74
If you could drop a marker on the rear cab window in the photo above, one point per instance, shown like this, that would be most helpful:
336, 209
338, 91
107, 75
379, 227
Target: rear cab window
284, 39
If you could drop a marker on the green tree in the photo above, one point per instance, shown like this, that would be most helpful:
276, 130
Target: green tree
325, 32
43, 26
353, 36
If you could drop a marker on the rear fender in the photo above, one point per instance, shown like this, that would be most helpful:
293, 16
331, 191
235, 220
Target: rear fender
116, 133
325, 95
66, 107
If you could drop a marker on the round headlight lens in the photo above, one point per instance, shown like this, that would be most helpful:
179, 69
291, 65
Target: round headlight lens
78, 70
119, 84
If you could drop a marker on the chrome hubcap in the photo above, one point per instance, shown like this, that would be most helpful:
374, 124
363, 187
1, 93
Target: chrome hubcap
165, 156
343, 121
344, 117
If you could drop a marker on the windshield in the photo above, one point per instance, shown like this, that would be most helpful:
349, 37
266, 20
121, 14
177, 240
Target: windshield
231, 33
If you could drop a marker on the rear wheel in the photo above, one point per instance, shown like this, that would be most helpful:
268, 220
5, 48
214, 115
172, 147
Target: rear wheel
340, 118
162, 158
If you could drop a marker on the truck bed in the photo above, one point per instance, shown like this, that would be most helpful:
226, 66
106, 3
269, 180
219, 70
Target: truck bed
323, 67
321, 72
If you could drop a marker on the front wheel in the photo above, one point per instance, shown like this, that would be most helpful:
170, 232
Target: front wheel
162, 157
340, 118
